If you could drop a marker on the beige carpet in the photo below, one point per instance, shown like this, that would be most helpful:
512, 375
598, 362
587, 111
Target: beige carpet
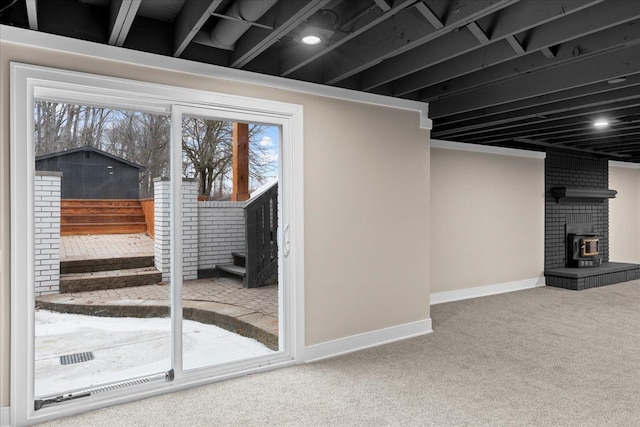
540, 357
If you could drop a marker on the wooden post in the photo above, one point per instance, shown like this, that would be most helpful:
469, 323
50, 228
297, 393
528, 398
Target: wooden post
240, 162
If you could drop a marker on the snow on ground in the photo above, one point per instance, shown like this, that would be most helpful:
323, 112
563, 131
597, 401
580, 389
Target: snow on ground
125, 348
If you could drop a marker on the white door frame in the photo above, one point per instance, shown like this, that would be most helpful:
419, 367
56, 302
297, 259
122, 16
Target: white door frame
30, 82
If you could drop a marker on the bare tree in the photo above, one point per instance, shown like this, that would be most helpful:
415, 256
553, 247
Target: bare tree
63, 126
94, 120
143, 138
153, 149
208, 150
208, 153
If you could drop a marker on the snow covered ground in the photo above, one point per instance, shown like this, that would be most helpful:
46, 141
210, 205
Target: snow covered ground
124, 348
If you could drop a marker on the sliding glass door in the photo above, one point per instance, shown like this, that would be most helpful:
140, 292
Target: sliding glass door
230, 292
106, 209
151, 244
101, 303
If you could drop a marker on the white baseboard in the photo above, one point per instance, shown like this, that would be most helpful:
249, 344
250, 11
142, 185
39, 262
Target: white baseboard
482, 291
366, 340
5, 417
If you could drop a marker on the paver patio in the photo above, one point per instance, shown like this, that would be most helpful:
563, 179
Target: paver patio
251, 312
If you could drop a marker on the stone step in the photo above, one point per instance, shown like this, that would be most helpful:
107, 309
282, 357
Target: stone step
105, 264
236, 270
115, 279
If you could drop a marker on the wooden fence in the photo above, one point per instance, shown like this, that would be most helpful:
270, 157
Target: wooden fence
147, 209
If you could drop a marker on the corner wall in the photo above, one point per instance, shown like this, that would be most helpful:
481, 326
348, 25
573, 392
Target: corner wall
487, 217
624, 212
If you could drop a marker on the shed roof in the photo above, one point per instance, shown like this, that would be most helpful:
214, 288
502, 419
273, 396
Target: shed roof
93, 149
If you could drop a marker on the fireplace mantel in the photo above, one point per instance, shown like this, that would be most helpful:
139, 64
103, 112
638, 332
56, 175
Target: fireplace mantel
582, 195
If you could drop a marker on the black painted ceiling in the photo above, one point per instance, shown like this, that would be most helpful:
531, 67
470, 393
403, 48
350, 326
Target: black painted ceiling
515, 73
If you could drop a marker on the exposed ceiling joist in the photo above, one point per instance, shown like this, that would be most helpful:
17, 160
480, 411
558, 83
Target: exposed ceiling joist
612, 31
583, 23
192, 17
589, 139
297, 60
478, 33
581, 130
32, 14
575, 129
257, 40
630, 147
121, 16
596, 93
452, 45
589, 70
578, 132
541, 122
492, 71
512, 20
429, 15
515, 45
383, 5
549, 145
546, 51
353, 59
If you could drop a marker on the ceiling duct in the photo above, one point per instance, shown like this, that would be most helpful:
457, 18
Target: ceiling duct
238, 20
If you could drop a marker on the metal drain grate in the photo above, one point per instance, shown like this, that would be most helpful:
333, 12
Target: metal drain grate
120, 385
70, 359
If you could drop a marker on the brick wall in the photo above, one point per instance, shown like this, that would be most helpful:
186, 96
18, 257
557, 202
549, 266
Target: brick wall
47, 232
576, 170
222, 231
162, 228
210, 230
190, 233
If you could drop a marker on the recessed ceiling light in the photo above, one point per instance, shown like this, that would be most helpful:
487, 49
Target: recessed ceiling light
616, 80
311, 39
601, 123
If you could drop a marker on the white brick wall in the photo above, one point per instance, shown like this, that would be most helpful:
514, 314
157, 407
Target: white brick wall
210, 230
222, 230
190, 230
47, 232
162, 245
162, 226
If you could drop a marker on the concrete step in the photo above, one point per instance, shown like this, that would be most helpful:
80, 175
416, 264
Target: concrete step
100, 280
105, 264
239, 258
236, 270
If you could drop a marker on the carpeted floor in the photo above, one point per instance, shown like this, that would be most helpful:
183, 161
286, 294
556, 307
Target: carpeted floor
539, 357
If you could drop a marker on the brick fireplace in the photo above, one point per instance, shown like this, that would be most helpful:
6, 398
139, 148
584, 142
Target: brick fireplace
577, 204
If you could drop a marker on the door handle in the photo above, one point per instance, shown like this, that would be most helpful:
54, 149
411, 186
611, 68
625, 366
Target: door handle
286, 247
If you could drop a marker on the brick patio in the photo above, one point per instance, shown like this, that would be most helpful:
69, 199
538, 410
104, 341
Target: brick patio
222, 301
